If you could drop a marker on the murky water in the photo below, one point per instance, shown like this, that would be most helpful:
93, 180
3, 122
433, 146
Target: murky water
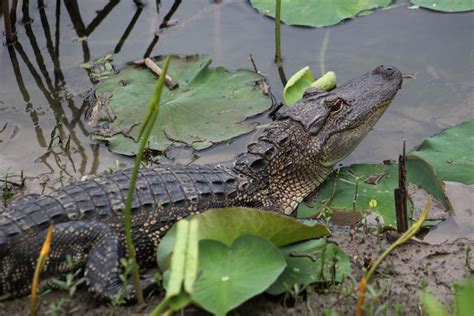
41, 81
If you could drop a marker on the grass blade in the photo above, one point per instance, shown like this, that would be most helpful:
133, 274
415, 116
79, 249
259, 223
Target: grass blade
39, 267
148, 123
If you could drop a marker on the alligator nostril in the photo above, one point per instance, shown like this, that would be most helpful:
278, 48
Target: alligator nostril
386, 71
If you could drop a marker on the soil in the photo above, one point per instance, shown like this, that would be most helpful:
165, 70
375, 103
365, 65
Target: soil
397, 284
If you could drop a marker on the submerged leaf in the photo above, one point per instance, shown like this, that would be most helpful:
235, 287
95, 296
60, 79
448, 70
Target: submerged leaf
210, 105
317, 13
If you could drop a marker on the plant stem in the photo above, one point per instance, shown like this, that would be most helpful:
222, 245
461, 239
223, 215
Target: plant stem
401, 194
281, 72
149, 122
277, 32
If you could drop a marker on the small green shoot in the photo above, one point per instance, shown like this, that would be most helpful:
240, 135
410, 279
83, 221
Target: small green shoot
56, 308
72, 282
120, 298
403, 238
145, 130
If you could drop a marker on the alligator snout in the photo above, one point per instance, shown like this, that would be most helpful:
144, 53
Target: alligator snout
388, 72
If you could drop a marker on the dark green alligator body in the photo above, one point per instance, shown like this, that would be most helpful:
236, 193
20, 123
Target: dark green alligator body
287, 162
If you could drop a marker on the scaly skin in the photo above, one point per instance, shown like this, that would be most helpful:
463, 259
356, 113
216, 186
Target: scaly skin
289, 160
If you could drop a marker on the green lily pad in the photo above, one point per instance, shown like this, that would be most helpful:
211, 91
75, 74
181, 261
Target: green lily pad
463, 297
312, 261
337, 192
317, 13
230, 276
445, 5
226, 225
209, 106
451, 153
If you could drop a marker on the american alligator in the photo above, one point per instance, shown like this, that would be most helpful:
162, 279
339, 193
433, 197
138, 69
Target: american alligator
289, 160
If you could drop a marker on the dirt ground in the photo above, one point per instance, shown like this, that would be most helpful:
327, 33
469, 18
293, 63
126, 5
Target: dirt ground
398, 283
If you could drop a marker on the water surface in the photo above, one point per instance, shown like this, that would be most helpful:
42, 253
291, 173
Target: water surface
41, 81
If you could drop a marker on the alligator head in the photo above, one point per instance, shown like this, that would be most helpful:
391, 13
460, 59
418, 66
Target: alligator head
353, 109
298, 151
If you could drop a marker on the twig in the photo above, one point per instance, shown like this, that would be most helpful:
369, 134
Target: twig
11, 183
254, 65
409, 76
170, 83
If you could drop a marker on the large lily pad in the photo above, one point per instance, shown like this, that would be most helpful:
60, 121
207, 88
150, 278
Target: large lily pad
445, 5
225, 225
337, 192
230, 276
317, 13
209, 106
451, 153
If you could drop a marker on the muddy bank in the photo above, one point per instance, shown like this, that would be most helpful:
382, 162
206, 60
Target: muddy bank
397, 284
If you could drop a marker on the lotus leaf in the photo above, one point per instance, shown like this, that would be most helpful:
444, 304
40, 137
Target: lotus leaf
209, 106
445, 5
231, 275
225, 225
451, 153
338, 191
317, 13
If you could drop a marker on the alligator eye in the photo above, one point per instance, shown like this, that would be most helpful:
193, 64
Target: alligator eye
335, 105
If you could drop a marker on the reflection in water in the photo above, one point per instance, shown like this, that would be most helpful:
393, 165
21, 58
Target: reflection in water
171, 12
163, 24
65, 146
128, 30
26, 97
